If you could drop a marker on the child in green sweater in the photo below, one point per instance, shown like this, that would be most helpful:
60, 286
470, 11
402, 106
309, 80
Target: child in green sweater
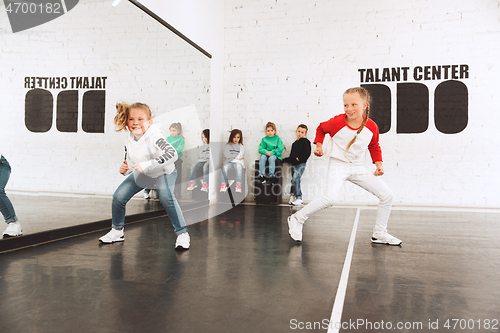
270, 148
177, 141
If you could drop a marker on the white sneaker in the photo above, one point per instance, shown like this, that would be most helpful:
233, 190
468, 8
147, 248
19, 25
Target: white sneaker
295, 228
146, 195
183, 241
292, 199
13, 230
385, 238
113, 236
298, 202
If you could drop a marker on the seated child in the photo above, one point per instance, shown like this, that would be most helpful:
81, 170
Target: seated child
301, 150
202, 163
177, 141
270, 148
233, 157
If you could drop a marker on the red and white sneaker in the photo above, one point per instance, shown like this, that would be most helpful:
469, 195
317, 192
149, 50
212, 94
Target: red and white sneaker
191, 186
204, 187
223, 188
238, 188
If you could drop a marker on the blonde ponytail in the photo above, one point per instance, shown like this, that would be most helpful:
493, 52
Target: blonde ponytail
363, 93
121, 117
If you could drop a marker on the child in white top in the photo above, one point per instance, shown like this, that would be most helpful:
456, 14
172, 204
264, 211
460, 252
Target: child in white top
352, 135
149, 161
233, 157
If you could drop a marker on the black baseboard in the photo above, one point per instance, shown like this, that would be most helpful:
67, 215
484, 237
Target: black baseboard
16, 243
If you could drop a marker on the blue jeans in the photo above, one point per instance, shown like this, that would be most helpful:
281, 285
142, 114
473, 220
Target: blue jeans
195, 171
5, 205
297, 171
134, 183
239, 171
272, 165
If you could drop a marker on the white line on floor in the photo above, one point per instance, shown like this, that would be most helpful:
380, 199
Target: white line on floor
338, 304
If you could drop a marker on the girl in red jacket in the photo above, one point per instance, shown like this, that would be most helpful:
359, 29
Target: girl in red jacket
352, 134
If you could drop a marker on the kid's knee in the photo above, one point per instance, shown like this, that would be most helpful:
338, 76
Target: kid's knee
328, 200
386, 196
118, 199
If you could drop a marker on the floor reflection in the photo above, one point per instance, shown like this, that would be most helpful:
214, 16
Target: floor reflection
38, 213
243, 273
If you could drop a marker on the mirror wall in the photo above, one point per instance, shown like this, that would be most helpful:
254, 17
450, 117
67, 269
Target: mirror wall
60, 82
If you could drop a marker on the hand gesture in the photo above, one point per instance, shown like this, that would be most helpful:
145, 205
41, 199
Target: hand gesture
138, 168
379, 171
268, 153
318, 151
124, 168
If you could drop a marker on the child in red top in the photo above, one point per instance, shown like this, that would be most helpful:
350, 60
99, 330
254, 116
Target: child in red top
352, 134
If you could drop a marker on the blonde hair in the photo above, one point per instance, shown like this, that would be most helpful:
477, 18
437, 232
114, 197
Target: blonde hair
122, 113
363, 93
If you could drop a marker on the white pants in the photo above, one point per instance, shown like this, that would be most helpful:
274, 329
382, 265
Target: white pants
338, 173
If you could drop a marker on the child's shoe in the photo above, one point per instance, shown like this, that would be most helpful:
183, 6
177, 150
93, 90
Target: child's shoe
223, 188
292, 199
298, 202
13, 230
238, 188
113, 236
183, 241
204, 187
385, 238
295, 228
191, 186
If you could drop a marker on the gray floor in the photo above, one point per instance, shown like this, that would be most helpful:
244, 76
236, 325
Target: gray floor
38, 213
243, 273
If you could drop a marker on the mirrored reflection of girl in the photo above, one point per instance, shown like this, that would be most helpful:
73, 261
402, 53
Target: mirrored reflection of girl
13, 226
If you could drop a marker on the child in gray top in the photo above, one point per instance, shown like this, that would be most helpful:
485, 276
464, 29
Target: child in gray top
202, 163
233, 157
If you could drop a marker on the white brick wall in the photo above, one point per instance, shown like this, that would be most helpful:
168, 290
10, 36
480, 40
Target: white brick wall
290, 61
142, 60
285, 61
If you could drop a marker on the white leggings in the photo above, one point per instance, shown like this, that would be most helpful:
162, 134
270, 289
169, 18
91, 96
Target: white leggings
338, 173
